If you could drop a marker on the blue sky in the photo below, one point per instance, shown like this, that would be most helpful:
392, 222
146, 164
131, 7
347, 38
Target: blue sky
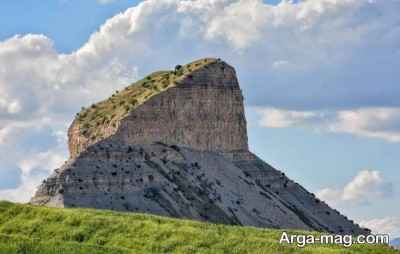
68, 22
319, 77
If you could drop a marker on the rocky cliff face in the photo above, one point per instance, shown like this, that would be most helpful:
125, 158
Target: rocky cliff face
181, 150
203, 111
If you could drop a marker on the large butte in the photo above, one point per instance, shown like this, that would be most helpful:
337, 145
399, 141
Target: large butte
175, 144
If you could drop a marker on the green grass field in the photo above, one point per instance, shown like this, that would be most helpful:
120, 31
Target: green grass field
41, 230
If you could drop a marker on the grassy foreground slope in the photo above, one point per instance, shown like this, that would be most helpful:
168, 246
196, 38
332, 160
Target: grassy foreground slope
41, 230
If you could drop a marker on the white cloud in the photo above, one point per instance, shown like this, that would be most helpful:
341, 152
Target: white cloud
34, 151
324, 32
11, 130
365, 187
46, 161
47, 82
388, 225
382, 123
277, 118
33, 170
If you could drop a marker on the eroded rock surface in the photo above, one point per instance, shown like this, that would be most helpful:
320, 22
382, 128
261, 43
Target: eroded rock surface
185, 183
184, 153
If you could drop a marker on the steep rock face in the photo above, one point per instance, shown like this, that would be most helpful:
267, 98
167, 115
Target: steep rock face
203, 111
182, 152
203, 118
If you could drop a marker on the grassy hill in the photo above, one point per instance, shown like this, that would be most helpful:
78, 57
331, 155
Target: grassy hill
41, 230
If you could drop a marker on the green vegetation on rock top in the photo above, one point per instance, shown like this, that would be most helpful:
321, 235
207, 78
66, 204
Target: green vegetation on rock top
110, 112
42, 230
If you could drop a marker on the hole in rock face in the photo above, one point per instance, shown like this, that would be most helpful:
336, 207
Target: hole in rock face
176, 148
114, 173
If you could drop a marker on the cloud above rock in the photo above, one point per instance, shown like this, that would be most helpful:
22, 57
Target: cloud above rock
309, 55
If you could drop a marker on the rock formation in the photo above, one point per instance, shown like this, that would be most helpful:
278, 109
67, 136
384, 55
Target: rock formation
203, 110
175, 144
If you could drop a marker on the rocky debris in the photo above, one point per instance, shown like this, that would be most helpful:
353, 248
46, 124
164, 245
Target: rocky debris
183, 153
186, 183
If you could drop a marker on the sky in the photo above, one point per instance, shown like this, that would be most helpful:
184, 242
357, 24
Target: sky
320, 80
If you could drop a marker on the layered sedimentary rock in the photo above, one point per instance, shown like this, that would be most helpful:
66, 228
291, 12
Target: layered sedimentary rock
176, 145
204, 111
